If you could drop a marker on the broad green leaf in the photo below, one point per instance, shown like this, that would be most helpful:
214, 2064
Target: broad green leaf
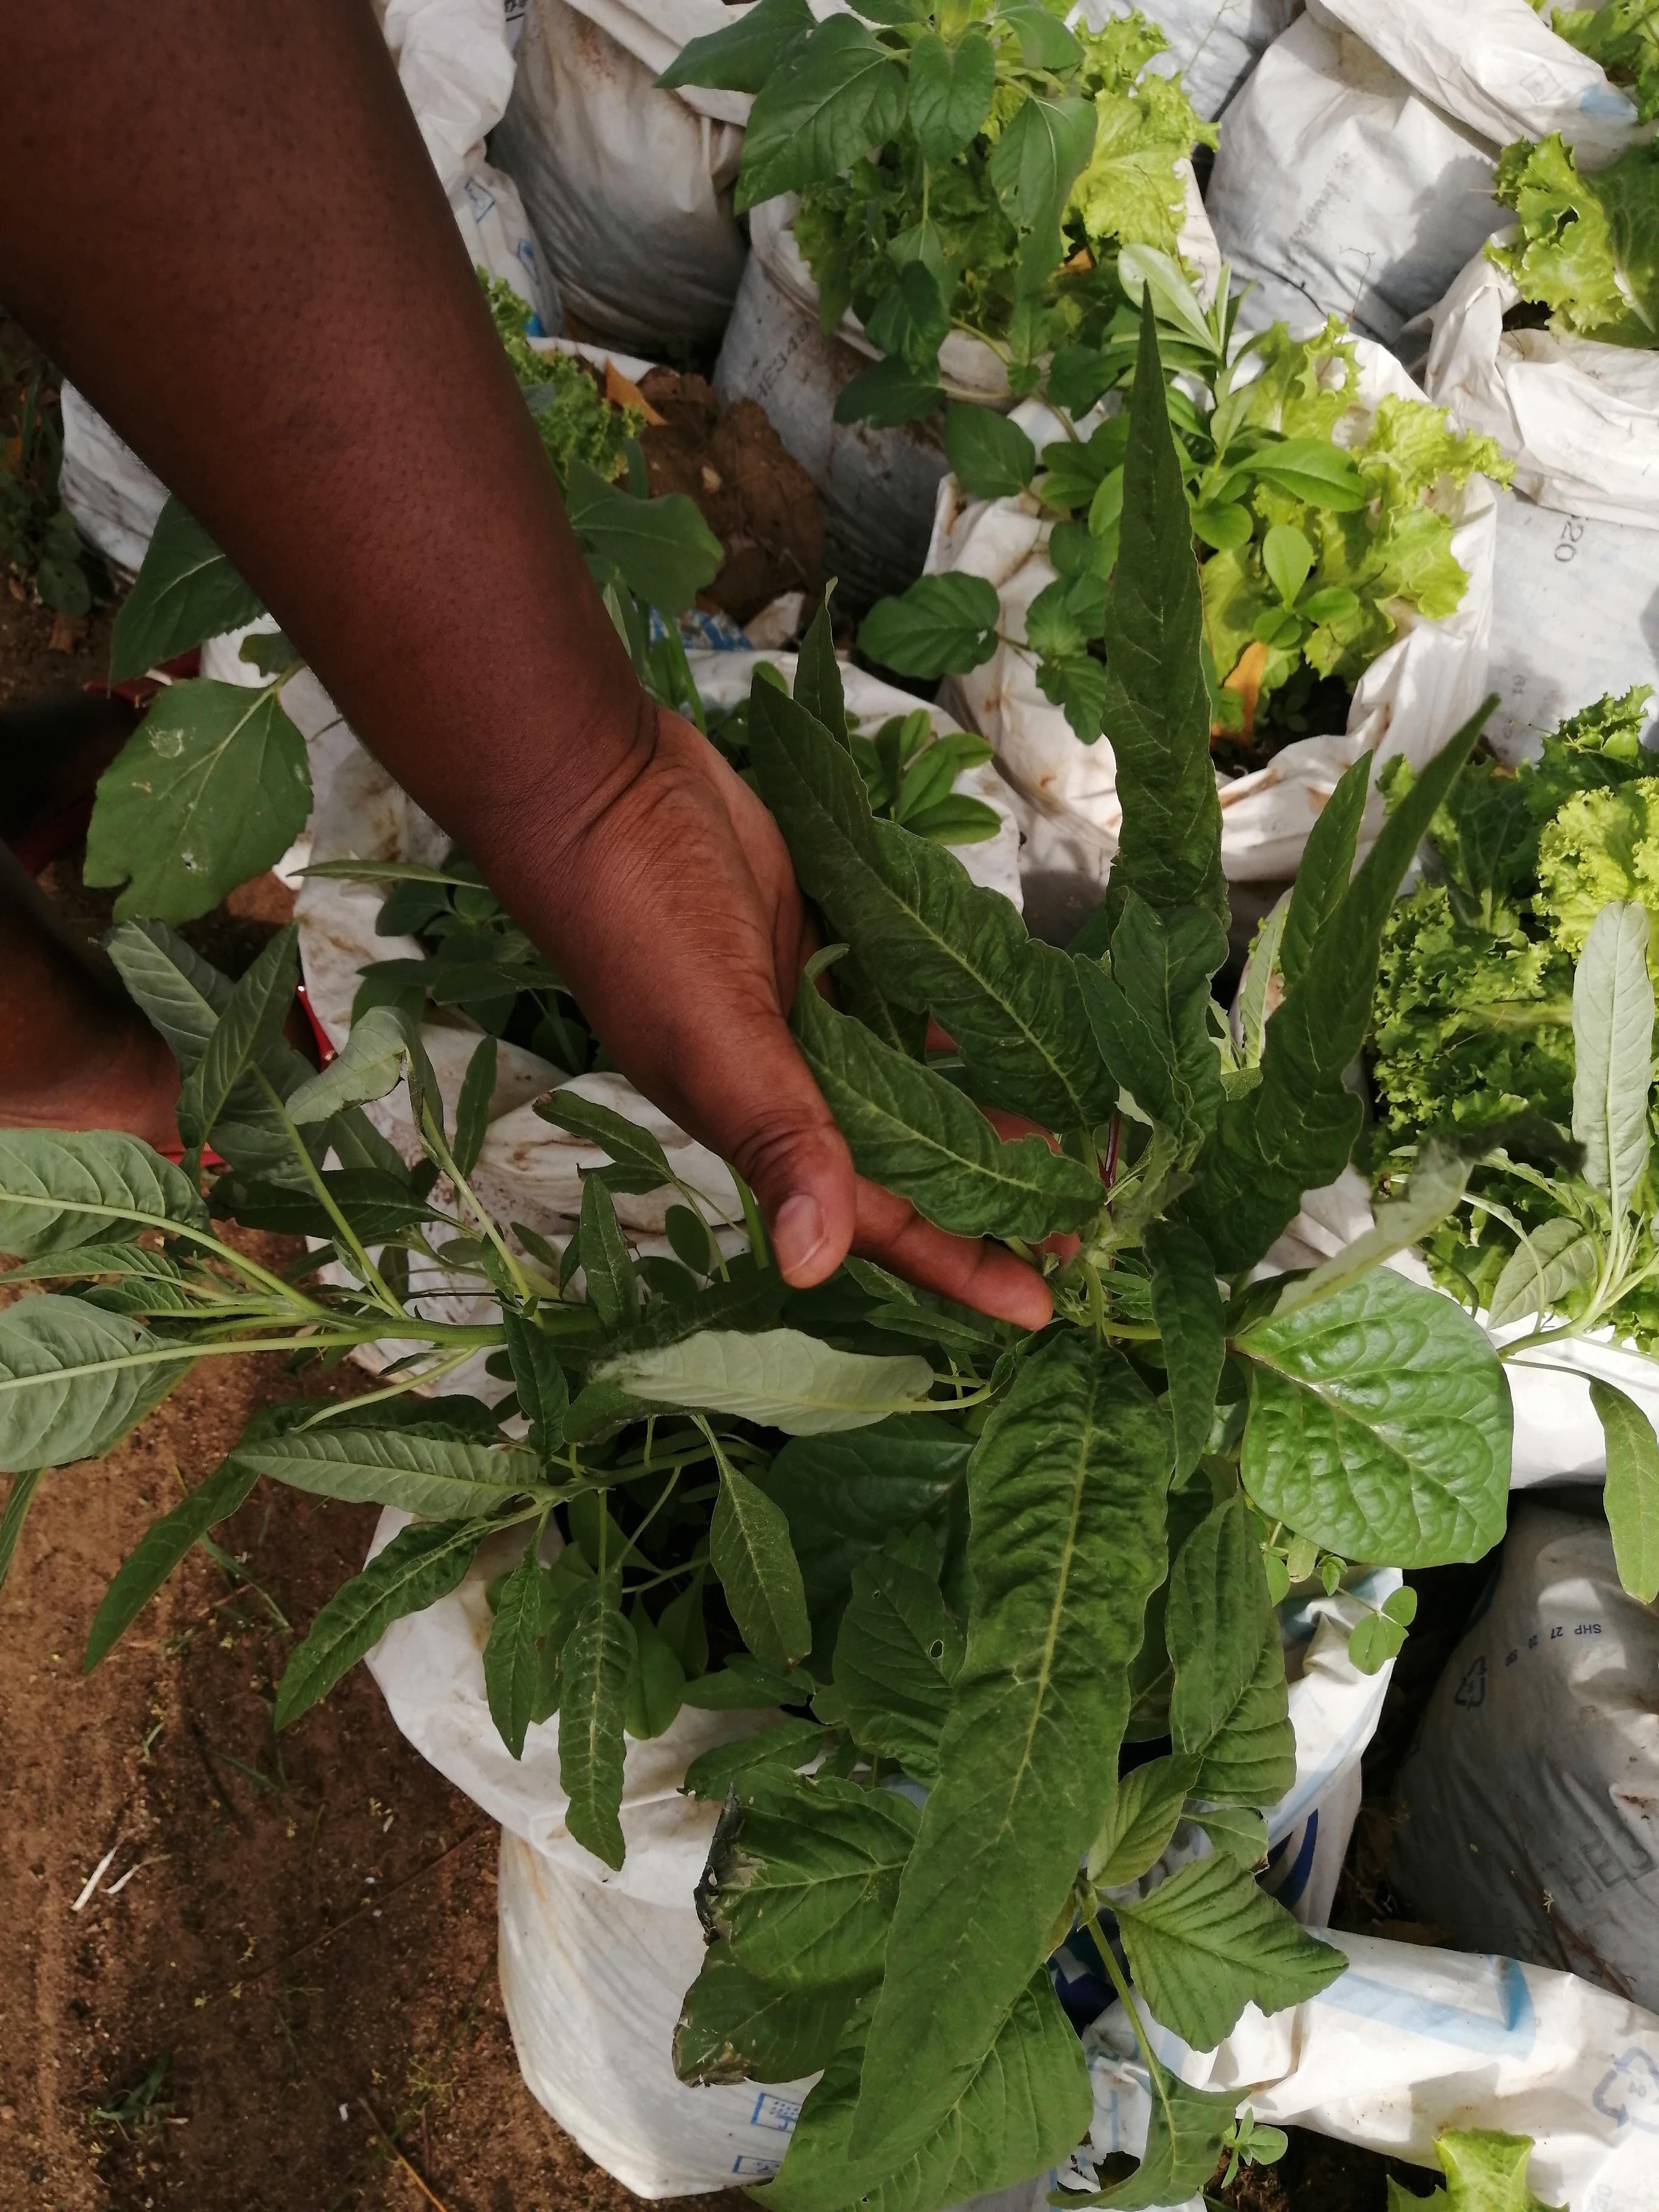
1484, 2172
1186, 2131
743, 1685
1439, 1180
1157, 705
951, 90
1142, 1820
377, 1206
1044, 41
607, 1269
368, 1065
896, 1654
802, 1875
744, 56
538, 1381
1295, 1130
186, 593
210, 788
436, 1477
778, 1377
655, 1685
1037, 160
1537, 1274
63, 1187
422, 1564
787, 1744
595, 1663
1314, 470
818, 677
1208, 1942
1613, 1051
74, 1379
991, 457
512, 1666
242, 1037
1229, 1707
1325, 868
831, 98
1151, 1015
473, 1106
1187, 1307
622, 1140
846, 1495
735, 2027
1379, 1426
159, 1550
1631, 1496
1023, 2105
939, 943
20, 1496
911, 321
889, 392
1066, 1545
665, 549
942, 626
913, 1132
1239, 1831
749, 1550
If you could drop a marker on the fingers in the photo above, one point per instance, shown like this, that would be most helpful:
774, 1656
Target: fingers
975, 1273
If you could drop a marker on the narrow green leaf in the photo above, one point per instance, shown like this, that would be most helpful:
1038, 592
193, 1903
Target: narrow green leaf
186, 593
159, 1550
1295, 1130
777, 1375
1067, 1488
1261, 968
422, 1564
655, 1686
1187, 1307
368, 1065
511, 1661
1158, 706
802, 1875
1438, 1179
210, 789
242, 1037
1230, 1709
64, 1187
607, 1267
787, 1745
896, 1654
735, 2027
1151, 1015
748, 1549
1379, 1424
913, 1132
818, 677
1325, 868
832, 97
436, 1477
538, 1381
1537, 1274
1631, 1496
1208, 1942
939, 943
473, 1106
621, 1139
595, 1667
1142, 1820
1023, 2105
19, 1497
1613, 1051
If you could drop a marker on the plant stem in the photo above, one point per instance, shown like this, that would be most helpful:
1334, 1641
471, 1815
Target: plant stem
370, 1273
434, 1137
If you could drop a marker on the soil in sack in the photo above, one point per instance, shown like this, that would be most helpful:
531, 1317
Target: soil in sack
754, 495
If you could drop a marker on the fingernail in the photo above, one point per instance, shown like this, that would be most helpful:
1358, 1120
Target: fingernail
797, 1234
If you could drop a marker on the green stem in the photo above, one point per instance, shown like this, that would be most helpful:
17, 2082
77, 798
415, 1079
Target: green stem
416, 1380
434, 1137
347, 1234
1120, 1983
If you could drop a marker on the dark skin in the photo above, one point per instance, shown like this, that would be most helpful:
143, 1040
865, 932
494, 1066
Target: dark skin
229, 235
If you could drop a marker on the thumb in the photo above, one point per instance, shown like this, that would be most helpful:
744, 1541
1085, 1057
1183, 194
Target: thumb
752, 1099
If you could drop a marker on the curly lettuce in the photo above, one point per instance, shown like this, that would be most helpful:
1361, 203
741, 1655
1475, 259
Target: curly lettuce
1587, 246
575, 421
1623, 36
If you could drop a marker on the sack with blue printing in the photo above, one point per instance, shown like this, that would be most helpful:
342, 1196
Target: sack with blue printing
1355, 169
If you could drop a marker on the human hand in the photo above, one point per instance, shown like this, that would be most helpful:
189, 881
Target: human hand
671, 908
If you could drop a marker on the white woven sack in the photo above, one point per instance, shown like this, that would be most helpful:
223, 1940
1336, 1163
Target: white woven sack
1410, 700
1580, 418
115, 498
628, 188
878, 486
1354, 173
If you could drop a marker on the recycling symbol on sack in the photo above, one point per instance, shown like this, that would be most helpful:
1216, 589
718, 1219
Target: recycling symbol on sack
1628, 2092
